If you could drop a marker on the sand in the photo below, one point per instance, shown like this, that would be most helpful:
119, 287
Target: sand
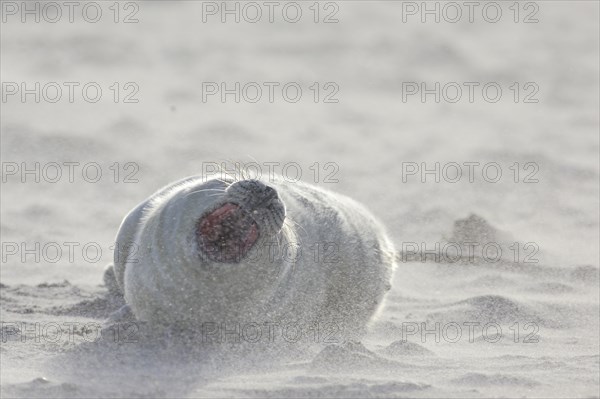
365, 146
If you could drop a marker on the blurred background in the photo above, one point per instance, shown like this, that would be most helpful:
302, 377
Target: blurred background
167, 56
105, 102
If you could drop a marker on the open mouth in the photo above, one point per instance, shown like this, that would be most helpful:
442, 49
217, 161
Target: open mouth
227, 233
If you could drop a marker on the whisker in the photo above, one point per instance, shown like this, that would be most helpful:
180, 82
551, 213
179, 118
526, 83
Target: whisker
242, 173
256, 162
252, 158
227, 183
203, 190
298, 236
288, 219
225, 173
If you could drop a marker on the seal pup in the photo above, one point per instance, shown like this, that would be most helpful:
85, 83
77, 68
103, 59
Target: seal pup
245, 254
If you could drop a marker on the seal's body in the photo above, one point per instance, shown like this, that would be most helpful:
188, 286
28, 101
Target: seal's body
251, 253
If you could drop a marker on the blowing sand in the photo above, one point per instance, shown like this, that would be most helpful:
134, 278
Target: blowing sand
539, 301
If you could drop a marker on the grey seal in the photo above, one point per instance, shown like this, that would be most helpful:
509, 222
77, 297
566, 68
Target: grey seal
251, 252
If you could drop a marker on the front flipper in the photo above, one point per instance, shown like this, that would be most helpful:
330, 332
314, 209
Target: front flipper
110, 281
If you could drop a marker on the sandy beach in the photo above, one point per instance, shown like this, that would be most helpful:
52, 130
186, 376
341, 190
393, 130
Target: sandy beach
434, 126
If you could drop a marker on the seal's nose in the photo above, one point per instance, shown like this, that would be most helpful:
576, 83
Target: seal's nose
254, 192
269, 193
261, 201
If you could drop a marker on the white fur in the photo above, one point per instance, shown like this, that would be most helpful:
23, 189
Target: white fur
166, 281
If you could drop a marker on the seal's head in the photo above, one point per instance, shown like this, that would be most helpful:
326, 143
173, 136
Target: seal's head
210, 249
247, 211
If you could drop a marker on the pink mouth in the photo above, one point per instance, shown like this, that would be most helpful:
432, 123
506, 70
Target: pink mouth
227, 233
